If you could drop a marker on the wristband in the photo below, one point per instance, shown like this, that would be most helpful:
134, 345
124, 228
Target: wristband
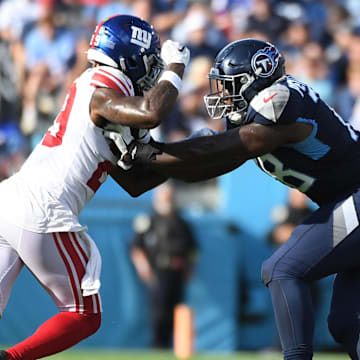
172, 77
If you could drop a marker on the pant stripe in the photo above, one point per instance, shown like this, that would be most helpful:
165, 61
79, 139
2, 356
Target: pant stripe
79, 268
79, 250
75, 260
70, 268
345, 220
90, 302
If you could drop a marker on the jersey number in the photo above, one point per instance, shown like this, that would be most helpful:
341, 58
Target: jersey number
289, 177
302, 89
99, 175
54, 135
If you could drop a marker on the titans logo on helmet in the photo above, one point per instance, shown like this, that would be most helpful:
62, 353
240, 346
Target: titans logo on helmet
265, 61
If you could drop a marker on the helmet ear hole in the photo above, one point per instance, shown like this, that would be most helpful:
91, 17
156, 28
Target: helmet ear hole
132, 63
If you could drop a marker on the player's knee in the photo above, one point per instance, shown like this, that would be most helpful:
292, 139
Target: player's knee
94, 322
274, 269
267, 271
90, 323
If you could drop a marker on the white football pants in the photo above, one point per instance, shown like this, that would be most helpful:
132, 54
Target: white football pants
57, 260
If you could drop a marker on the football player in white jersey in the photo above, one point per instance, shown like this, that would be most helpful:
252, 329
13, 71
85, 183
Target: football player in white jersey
39, 225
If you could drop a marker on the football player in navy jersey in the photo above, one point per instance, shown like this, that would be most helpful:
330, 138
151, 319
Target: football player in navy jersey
299, 140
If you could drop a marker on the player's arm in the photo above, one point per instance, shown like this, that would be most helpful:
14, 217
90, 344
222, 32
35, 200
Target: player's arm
138, 179
210, 156
136, 111
141, 264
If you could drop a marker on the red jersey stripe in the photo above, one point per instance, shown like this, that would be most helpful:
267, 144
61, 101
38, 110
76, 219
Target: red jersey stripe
99, 80
125, 85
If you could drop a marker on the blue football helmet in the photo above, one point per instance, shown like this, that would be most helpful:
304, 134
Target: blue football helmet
130, 44
241, 69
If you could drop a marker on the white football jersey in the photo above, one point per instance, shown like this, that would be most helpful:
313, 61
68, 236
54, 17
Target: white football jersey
69, 164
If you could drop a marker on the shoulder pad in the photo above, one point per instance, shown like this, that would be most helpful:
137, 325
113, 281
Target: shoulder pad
109, 77
271, 102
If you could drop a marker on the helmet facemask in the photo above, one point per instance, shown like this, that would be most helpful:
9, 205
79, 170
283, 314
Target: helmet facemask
153, 67
226, 96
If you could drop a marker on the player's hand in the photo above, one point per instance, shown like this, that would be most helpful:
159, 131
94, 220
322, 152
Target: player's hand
122, 143
143, 153
123, 139
174, 52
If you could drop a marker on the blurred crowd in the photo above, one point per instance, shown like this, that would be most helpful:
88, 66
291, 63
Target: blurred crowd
43, 45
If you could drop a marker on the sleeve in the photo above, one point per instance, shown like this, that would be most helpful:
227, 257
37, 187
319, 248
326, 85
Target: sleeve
108, 77
276, 104
137, 242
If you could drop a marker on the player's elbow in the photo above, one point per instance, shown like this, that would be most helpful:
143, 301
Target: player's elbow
134, 192
154, 121
151, 120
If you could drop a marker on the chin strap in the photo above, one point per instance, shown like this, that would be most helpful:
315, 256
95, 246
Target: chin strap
237, 118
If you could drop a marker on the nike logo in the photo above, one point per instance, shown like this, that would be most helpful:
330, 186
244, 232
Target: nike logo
269, 98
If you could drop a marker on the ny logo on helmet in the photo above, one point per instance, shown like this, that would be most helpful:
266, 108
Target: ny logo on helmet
140, 37
265, 61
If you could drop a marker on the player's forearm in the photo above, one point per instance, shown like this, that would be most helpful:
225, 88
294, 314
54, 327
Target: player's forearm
161, 99
137, 180
144, 112
222, 146
202, 157
193, 173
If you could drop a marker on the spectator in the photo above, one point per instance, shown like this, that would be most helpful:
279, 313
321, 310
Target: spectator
196, 86
263, 19
114, 7
50, 51
166, 14
295, 38
313, 69
198, 33
12, 54
336, 53
163, 253
13, 150
229, 16
295, 210
349, 95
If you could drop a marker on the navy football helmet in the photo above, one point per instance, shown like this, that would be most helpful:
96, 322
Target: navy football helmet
130, 44
241, 70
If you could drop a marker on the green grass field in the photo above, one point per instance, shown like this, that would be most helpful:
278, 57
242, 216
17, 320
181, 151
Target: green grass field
157, 355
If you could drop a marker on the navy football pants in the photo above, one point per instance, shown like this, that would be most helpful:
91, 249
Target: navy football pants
328, 242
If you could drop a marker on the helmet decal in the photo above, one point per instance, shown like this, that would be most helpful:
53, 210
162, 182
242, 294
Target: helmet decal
140, 37
265, 61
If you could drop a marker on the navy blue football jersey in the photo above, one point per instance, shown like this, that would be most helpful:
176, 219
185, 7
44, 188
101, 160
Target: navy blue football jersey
325, 165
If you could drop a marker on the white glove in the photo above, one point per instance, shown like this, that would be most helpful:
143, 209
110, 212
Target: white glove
122, 144
174, 52
122, 138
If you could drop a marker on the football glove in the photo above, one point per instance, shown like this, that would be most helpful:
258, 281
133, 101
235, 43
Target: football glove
143, 153
174, 52
122, 138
